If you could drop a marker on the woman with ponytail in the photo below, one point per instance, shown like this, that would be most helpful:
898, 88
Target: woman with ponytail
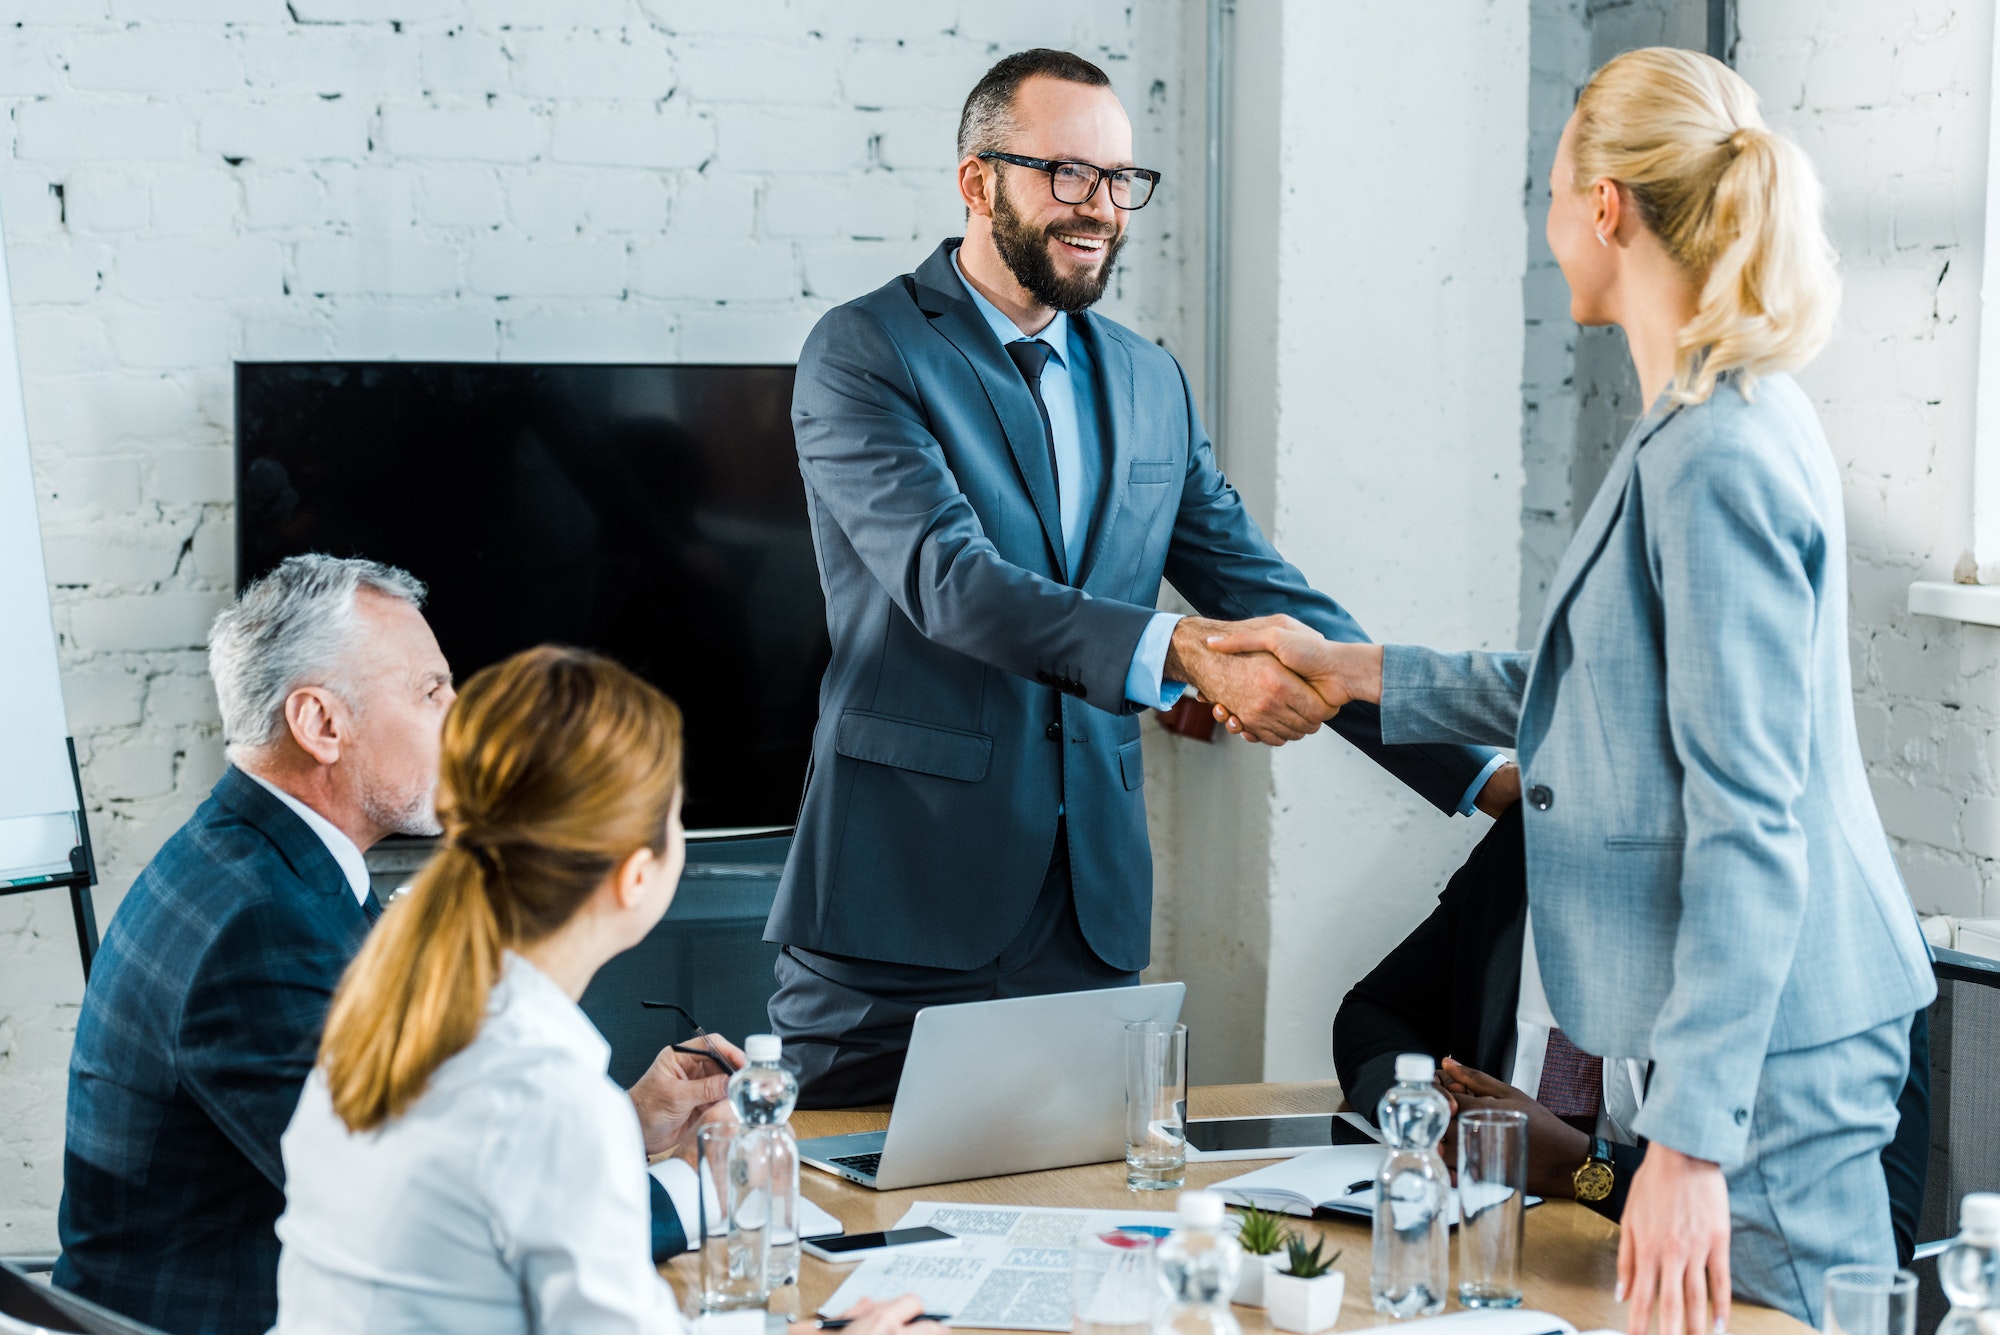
1711, 895
460, 1161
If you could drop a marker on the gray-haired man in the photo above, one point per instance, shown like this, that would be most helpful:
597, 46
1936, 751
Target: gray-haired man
203, 1014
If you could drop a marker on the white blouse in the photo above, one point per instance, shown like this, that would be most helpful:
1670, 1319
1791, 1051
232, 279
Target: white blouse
511, 1196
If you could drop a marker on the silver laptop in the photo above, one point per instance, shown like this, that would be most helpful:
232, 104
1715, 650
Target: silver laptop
1009, 1086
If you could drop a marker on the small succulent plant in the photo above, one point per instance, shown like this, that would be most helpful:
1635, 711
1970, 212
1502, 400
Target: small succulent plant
1262, 1234
1308, 1263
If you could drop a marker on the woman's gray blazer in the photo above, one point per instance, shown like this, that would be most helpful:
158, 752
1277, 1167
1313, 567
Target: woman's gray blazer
1707, 875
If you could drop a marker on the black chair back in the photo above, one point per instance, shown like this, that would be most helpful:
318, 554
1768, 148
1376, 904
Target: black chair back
1965, 1106
30, 1308
708, 956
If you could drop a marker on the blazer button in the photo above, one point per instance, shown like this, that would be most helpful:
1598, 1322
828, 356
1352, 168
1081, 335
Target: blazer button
1742, 1115
1540, 798
1053, 732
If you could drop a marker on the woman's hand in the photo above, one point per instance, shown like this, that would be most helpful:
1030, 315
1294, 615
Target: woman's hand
1673, 1245
878, 1318
1339, 672
676, 1090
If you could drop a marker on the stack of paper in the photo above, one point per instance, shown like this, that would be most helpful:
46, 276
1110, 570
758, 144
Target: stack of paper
1009, 1272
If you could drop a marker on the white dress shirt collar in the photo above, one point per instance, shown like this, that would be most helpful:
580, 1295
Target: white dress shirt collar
345, 854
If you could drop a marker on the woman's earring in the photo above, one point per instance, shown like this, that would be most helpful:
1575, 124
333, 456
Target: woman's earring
1601, 241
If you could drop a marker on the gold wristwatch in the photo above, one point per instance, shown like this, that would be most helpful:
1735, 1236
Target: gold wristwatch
1594, 1179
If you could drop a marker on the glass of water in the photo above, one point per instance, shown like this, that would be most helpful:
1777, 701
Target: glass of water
1113, 1286
1155, 1105
1869, 1300
1492, 1177
735, 1192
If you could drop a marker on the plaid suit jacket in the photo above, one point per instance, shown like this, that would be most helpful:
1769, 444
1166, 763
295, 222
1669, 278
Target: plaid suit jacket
199, 1027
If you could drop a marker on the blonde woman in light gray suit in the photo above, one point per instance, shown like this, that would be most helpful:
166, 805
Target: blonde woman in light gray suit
1711, 891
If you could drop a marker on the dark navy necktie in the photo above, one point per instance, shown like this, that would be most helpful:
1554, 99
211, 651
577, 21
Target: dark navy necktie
371, 906
1032, 356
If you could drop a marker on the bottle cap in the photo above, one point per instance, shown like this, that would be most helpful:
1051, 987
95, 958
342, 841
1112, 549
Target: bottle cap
1415, 1068
1199, 1209
1979, 1213
762, 1048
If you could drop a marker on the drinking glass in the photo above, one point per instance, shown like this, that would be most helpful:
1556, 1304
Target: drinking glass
1155, 1105
1113, 1287
1869, 1300
1492, 1177
734, 1179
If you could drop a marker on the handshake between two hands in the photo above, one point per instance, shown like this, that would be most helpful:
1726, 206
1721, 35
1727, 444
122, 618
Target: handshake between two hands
1274, 679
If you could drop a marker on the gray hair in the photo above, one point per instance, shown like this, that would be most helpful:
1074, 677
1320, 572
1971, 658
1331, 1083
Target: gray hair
291, 628
987, 121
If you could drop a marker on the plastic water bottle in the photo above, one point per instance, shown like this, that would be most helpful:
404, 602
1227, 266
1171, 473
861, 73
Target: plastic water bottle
1969, 1270
1197, 1267
1412, 1262
763, 1094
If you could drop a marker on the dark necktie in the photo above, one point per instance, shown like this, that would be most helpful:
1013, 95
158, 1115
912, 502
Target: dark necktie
371, 906
1032, 356
1572, 1083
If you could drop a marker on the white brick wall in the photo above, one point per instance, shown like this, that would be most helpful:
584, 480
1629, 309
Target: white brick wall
187, 182
1890, 101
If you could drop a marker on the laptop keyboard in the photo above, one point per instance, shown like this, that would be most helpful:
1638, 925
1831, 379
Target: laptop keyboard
871, 1164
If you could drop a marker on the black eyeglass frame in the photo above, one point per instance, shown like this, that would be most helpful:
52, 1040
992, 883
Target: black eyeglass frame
707, 1048
1049, 165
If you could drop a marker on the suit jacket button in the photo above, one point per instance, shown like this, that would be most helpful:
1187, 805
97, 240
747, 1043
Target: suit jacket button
1540, 798
1053, 732
1742, 1115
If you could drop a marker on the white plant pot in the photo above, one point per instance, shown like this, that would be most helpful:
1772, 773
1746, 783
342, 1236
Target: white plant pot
1250, 1279
1304, 1306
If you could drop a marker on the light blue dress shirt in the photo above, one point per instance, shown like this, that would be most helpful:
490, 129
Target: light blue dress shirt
1069, 394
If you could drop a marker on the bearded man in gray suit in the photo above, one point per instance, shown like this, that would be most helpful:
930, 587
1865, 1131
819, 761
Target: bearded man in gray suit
998, 482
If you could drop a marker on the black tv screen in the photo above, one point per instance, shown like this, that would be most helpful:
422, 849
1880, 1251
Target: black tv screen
651, 513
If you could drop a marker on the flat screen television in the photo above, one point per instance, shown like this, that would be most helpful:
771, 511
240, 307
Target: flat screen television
651, 513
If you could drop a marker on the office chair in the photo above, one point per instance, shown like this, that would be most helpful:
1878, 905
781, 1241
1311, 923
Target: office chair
1965, 1108
708, 956
28, 1308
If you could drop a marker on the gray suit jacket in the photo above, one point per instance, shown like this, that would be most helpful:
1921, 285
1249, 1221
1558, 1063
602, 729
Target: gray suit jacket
977, 685
1707, 873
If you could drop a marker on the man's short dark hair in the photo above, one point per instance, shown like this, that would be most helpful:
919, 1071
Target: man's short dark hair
988, 117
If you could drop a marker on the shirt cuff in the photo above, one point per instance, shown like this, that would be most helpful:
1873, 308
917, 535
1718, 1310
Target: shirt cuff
733, 1323
1465, 804
1143, 681
676, 1178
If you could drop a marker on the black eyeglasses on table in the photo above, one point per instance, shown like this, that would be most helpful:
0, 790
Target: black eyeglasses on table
1076, 182
707, 1048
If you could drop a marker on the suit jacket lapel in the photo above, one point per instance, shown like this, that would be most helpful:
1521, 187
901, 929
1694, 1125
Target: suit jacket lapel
302, 849
1596, 524
1115, 381
942, 298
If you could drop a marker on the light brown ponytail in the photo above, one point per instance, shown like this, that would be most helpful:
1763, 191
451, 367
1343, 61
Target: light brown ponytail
557, 764
1736, 205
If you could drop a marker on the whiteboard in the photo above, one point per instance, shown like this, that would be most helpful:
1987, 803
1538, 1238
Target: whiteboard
37, 794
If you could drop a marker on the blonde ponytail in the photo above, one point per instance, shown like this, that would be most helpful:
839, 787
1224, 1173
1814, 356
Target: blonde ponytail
1736, 205
557, 764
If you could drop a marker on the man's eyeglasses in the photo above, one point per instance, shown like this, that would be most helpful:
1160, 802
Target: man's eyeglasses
1076, 182
707, 1048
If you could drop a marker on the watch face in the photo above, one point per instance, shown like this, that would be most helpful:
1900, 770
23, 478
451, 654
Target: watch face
1593, 1181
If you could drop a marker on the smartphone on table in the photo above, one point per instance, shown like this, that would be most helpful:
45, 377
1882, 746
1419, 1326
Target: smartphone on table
859, 1246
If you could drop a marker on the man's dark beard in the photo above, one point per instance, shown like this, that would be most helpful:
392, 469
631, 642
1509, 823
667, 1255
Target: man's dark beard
1024, 249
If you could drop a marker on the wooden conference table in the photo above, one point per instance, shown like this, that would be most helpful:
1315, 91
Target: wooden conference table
1569, 1264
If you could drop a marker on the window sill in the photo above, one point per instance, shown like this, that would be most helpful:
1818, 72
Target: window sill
1978, 604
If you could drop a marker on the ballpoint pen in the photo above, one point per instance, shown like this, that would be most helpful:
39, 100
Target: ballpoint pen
843, 1322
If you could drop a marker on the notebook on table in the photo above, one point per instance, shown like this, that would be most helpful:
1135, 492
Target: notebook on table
1339, 1180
